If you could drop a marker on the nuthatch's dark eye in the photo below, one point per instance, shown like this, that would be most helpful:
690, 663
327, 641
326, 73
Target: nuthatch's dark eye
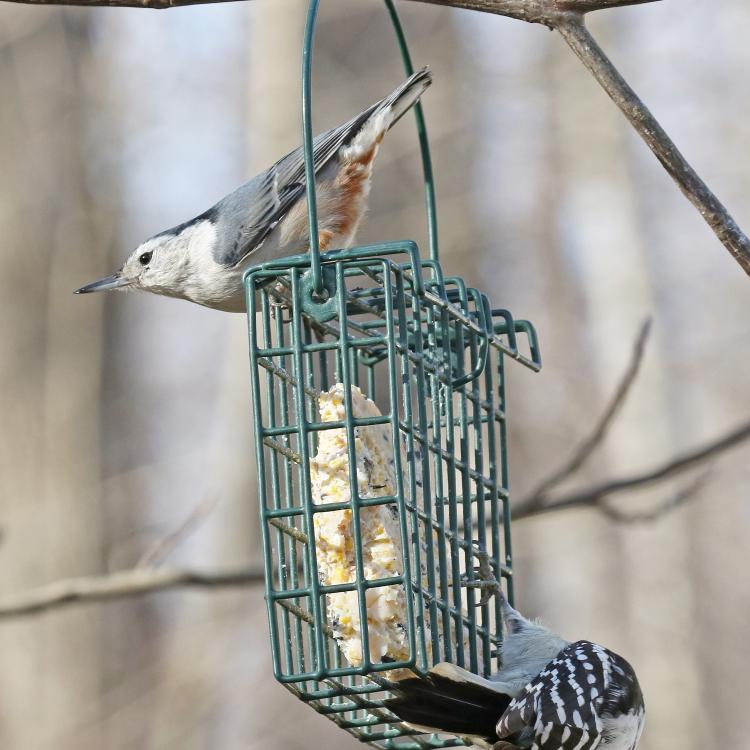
145, 259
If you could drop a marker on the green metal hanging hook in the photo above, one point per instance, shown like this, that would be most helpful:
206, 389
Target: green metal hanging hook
375, 343
424, 144
318, 284
307, 141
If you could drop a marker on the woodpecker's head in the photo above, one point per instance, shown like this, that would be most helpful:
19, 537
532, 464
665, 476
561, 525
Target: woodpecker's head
525, 641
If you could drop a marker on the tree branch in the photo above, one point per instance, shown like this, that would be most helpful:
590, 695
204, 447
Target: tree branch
587, 6
592, 497
90, 590
534, 11
647, 126
167, 544
591, 443
129, 583
547, 12
152, 4
566, 16
689, 492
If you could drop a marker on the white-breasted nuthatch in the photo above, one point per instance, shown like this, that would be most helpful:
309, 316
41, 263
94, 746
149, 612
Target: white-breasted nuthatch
203, 260
550, 694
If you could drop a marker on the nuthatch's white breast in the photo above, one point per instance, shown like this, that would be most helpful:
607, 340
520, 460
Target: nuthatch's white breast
203, 260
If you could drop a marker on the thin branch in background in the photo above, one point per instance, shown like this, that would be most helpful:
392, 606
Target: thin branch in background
680, 498
595, 439
141, 581
166, 545
592, 497
546, 12
92, 589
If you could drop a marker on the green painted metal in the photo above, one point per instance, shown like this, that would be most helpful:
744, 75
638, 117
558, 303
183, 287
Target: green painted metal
431, 352
307, 141
424, 145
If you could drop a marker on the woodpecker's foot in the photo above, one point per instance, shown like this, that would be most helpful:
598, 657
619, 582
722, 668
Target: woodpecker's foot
502, 745
485, 576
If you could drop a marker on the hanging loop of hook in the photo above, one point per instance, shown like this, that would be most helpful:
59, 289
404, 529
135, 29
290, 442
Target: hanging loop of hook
307, 144
424, 144
318, 284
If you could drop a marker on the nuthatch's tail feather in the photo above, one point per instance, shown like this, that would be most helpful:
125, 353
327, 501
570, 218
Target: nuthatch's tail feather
450, 700
367, 130
407, 94
359, 147
270, 211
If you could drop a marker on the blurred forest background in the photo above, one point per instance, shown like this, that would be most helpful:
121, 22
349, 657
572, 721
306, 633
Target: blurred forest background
121, 414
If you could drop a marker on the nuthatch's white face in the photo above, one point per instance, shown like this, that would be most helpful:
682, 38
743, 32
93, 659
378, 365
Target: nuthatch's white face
176, 263
152, 266
158, 265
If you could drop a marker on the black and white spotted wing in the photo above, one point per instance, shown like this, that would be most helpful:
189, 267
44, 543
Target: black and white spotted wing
569, 705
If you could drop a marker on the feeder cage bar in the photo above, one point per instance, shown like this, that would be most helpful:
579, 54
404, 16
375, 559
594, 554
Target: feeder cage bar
430, 354
376, 571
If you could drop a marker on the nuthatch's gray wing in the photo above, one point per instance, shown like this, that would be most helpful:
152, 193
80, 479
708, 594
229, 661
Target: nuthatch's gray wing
203, 259
269, 208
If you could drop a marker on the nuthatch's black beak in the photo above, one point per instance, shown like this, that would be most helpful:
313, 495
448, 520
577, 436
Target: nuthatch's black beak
108, 282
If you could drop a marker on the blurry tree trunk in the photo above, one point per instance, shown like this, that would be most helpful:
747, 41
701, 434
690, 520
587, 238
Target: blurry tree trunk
685, 601
452, 112
193, 364
539, 259
271, 99
50, 350
269, 109
613, 275
558, 217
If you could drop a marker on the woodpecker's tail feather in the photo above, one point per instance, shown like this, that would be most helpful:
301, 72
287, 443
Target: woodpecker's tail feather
452, 701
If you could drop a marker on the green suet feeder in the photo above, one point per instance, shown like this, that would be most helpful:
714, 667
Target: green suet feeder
427, 354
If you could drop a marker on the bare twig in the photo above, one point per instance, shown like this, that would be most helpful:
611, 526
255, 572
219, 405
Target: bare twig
591, 443
89, 590
167, 544
567, 17
586, 6
120, 585
687, 493
152, 4
526, 10
546, 12
592, 497
647, 126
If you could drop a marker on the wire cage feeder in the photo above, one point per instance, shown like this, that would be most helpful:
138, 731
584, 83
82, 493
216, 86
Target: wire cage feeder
380, 424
